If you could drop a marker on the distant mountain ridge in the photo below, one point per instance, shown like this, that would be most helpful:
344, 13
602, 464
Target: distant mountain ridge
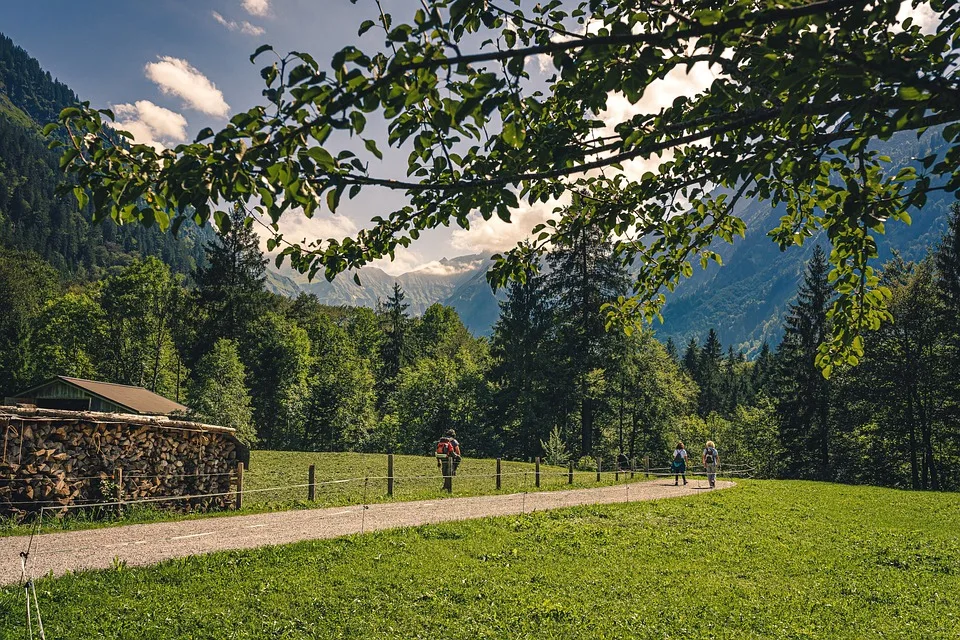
746, 299
457, 282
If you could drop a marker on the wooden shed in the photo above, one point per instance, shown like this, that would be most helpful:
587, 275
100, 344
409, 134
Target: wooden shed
77, 394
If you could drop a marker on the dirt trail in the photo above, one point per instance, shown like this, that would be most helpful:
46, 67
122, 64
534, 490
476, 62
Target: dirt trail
145, 544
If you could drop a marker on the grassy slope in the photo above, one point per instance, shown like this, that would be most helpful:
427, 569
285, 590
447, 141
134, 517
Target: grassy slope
417, 478
764, 560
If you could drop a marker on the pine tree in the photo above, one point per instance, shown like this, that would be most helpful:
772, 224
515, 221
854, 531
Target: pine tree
583, 276
691, 359
521, 351
803, 393
671, 348
947, 262
230, 288
710, 375
762, 370
395, 350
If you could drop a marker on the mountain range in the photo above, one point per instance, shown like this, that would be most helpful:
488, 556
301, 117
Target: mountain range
457, 282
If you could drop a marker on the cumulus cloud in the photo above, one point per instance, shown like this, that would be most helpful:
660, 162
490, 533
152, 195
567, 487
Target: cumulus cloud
923, 15
176, 76
257, 7
494, 235
150, 124
442, 268
404, 261
659, 95
242, 26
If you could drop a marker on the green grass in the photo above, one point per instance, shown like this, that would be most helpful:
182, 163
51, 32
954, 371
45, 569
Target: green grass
764, 560
274, 480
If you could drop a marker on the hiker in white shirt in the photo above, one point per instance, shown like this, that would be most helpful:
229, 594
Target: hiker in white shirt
711, 462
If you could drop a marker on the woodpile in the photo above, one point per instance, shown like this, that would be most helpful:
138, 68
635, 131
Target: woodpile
58, 459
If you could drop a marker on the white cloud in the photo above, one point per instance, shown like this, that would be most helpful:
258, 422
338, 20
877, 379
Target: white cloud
404, 260
494, 235
243, 26
176, 76
922, 14
438, 268
257, 7
150, 124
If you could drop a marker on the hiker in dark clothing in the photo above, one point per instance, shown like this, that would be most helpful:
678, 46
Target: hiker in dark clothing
449, 448
679, 464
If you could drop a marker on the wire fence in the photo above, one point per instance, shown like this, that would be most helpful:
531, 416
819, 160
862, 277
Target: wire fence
356, 494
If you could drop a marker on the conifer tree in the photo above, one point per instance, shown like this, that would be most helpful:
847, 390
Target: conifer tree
584, 275
230, 287
710, 375
947, 261
671, 348
521, 351
803, 393
691, 359
395, 350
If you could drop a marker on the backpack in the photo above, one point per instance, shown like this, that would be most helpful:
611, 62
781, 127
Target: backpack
708, 456
444, 449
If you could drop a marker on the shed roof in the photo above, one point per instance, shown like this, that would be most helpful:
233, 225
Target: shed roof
136, 399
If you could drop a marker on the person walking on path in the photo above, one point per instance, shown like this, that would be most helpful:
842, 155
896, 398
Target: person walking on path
449, 448
711, 462
679, 464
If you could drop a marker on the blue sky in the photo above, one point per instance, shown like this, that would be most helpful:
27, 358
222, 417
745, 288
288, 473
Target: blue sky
171, 67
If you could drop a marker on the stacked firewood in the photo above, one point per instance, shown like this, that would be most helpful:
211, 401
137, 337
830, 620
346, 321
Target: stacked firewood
75, 458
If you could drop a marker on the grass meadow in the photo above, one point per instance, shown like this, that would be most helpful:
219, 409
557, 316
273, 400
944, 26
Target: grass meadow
276, 481
767, 559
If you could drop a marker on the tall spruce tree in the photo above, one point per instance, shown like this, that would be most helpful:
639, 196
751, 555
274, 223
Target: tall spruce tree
584, 275
947, 261
691, 359
230, 287
710, 375
521, 352
803, 393
395, 350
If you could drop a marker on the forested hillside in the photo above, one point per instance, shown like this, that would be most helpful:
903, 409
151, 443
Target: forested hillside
32, 216
746, 299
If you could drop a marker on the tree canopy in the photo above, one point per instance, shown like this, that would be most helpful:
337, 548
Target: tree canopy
801, 90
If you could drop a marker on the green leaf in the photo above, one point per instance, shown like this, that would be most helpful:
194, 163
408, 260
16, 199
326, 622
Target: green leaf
513, 134
371, 146
262, 48
81, 196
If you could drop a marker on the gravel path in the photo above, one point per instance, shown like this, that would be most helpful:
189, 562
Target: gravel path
145, 544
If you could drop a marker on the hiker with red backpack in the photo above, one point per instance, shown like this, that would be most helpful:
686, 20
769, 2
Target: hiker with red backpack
448, 449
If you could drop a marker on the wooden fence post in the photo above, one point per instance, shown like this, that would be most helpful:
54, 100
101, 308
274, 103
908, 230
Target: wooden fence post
239, 485
536, 472
312, 483
448, 474
633, 467
118, 481
646, 466
599, 461
390, 474
570, 472
498, 474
